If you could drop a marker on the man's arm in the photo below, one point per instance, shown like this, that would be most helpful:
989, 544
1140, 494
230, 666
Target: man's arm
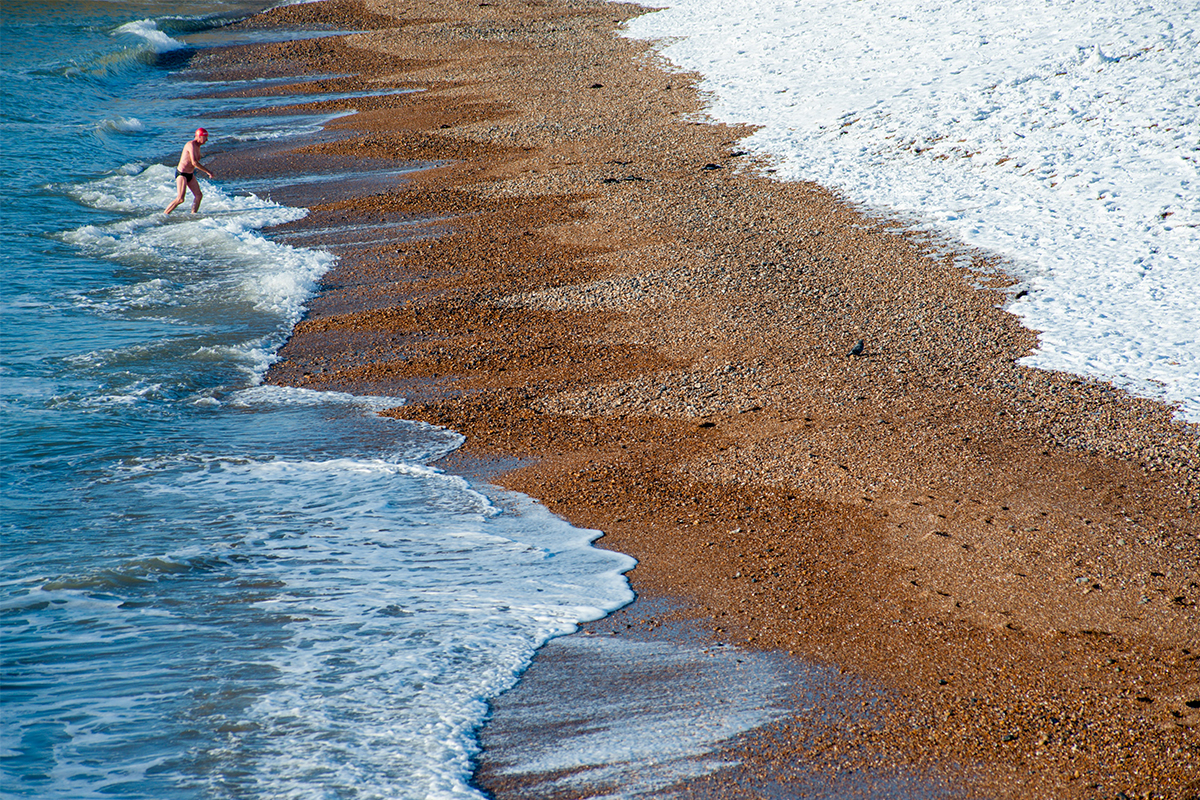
192, 156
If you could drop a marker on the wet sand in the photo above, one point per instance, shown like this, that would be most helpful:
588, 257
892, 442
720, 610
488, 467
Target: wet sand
621, 309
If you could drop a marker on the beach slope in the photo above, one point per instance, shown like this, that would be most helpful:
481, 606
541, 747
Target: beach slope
806, 423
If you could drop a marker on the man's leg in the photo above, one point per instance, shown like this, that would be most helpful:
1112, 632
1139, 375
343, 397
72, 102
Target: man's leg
194, 185
182, 185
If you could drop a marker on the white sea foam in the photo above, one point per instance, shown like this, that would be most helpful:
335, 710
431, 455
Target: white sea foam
253, 356
139, 188
216, 263
152, 293
267, 395
292, 127
147, 29
641, 715
1063, 136
131, 392
443, 602
122, 125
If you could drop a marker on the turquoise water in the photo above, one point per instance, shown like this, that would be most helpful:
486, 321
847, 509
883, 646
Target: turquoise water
212, 587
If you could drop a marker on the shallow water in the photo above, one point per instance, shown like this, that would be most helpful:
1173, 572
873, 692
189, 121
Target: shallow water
215, 588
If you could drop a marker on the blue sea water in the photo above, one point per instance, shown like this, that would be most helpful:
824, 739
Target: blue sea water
211, 587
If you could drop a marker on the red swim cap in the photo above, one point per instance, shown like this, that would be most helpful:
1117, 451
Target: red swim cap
201, 131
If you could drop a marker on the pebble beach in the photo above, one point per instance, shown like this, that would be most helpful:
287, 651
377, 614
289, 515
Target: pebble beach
809, 424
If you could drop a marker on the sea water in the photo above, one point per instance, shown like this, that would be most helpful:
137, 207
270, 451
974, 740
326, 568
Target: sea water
213, 587
1063, 136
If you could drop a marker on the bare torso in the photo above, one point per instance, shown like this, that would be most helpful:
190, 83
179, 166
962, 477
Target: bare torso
189, 158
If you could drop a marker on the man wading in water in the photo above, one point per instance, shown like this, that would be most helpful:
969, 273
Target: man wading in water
185, 173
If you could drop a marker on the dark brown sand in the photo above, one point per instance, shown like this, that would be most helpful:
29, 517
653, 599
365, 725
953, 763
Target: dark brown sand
605, 288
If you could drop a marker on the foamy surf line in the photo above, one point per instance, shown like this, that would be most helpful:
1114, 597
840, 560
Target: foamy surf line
1062, 138
446, 618
402, 589
477, 620
216, 264
365, 607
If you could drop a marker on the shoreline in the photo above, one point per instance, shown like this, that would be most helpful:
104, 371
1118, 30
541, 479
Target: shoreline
616, 298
